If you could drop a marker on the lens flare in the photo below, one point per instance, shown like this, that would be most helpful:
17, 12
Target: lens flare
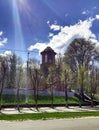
18, 34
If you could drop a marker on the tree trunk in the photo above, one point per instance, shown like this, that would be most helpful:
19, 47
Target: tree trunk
52, 98
66, 94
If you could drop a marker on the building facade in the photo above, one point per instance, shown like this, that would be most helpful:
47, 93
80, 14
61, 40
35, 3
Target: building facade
48, 59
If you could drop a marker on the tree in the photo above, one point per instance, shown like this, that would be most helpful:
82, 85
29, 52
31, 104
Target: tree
12, 71
81, 80
18, 80
78, 56
35, 76
80, 53
66, 85
3, 71
51, 78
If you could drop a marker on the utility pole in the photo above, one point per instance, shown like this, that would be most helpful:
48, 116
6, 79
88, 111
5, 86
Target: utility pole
27, 77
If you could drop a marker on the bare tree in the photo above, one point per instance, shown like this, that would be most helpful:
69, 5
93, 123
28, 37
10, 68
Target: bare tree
35, 81
18, 80
35, 77
12, 71
66, 85
3, 70
51, 79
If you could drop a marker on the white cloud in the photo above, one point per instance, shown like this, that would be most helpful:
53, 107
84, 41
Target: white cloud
6, 53
2, 40
51, 35
97, 16
39, 46
85, 12
55, 27
1, 33
67, 34
48, 22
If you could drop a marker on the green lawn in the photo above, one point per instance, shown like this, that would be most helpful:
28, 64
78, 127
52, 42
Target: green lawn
12, 99
44, 116
96, 97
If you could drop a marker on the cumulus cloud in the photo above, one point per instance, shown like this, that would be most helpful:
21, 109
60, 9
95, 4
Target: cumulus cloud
67, 34
97, 16
6, 53
55, 27
51, 35
2, 40
39, 46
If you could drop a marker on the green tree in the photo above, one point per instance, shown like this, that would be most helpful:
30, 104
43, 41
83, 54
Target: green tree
78, 56
80, 53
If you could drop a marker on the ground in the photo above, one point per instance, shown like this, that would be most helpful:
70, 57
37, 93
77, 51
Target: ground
52, 124
48, 109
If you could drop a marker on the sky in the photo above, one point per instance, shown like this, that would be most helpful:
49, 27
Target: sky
32, 25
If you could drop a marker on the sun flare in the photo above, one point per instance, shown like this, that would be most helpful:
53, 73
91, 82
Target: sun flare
22, 2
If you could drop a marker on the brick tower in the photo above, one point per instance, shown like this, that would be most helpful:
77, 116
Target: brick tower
48, 59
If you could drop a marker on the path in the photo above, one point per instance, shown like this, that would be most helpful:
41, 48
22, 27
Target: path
55, 124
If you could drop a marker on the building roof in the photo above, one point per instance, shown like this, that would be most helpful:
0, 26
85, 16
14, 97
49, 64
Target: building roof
48, 49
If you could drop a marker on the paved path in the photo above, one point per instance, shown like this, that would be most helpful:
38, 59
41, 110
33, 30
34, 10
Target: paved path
48, 109
55, 124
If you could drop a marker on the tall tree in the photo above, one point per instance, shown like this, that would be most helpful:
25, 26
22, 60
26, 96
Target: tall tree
35, 76
78, 56
18, 80
66, 85
51, 79
12, 71
80, 53
3, 71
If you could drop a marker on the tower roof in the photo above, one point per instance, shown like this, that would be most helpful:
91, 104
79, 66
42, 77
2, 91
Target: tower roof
47, 50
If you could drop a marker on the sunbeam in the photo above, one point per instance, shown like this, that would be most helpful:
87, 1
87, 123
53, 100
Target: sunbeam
19, 39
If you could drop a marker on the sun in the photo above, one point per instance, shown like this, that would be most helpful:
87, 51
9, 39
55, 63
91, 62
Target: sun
22, 2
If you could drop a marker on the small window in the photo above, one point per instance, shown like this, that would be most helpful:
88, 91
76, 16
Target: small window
51, 58
46, 58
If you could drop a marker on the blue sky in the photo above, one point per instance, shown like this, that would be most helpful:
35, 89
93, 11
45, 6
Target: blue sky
32, 25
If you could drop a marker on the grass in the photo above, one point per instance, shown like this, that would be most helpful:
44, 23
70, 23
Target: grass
44, 116
12, 99
96, 97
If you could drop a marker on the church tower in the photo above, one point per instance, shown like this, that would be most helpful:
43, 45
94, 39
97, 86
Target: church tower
48, 59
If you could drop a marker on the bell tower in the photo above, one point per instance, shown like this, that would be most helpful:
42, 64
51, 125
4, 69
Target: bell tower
48, 59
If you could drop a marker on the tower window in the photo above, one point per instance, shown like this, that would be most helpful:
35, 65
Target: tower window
46, 58
51, 58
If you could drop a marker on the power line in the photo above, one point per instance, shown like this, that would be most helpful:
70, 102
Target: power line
13, 50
